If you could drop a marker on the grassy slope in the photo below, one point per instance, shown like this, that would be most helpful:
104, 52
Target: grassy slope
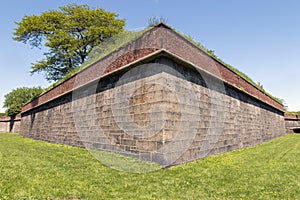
38, 170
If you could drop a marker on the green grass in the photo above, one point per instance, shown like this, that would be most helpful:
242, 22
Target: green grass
292, 112
38, 170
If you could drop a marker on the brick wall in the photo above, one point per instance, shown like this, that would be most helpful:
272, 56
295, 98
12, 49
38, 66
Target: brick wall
158, 38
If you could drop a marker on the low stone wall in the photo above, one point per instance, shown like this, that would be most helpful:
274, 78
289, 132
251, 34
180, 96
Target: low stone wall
10, 125
292, 122
168, 113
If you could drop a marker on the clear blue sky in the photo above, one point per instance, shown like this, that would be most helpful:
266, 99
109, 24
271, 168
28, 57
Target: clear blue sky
259, 37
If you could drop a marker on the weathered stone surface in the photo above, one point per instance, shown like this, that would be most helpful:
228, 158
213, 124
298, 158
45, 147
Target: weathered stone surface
170, 115
10, 125
292, 123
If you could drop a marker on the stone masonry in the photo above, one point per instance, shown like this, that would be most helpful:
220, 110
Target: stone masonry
162, 106
179, 128
292, 122
10, 125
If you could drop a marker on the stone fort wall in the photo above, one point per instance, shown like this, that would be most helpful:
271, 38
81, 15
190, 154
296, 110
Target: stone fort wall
194, 117
153, 40
292, 122
10, 125
159, 99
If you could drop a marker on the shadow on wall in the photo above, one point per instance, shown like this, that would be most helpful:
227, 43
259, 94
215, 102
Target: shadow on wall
11, 124
296, 130
8, 124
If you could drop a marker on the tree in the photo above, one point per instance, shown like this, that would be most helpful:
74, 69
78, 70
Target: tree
16, 99
69, 33
155, 20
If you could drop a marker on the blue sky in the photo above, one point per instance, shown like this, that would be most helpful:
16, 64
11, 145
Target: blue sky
259, 37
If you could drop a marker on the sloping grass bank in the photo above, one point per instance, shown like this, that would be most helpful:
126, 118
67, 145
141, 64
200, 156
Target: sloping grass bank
39, 170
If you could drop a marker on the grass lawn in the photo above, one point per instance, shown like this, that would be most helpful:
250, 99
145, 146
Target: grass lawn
38, 170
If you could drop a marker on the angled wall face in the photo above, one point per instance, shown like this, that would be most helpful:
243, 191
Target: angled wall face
162, 111
292, 123
4, 126
10, 125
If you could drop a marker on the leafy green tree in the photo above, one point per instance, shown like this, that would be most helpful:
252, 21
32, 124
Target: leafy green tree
155, 20
17, 98
69, 34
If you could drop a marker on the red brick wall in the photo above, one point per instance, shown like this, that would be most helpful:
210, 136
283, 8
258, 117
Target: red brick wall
156, 38
87, 75
289, 116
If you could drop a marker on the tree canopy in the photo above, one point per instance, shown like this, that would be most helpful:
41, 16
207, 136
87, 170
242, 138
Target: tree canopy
17, 98
69, 34
155, 20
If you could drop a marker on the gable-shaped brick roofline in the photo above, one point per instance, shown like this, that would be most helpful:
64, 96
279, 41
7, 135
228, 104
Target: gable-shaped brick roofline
160, 37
